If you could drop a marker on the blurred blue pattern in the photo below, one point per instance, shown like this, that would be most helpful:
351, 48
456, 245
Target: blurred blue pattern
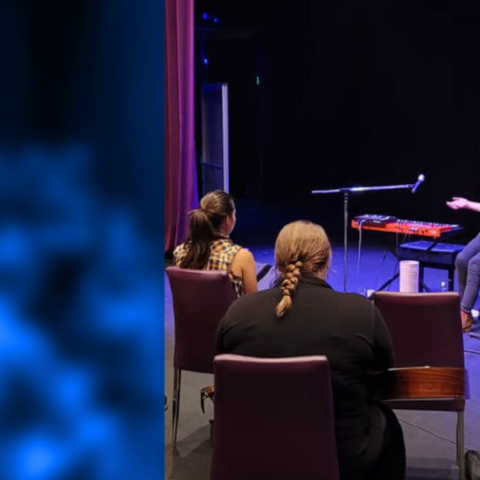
80, 299
81, 237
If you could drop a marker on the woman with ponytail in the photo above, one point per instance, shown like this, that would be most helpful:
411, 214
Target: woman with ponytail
304, 316
208, 245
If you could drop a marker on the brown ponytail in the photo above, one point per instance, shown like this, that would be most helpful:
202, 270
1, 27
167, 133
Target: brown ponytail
302, 247
204, 227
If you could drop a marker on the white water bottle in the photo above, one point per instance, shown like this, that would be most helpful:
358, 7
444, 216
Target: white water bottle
443, 286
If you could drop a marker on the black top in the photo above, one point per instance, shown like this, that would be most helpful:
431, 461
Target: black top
347, 328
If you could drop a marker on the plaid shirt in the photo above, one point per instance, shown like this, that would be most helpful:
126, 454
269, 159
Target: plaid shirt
222, 252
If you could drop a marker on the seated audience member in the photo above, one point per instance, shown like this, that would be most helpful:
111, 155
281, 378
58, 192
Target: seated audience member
305, 316
468, 267
208, 246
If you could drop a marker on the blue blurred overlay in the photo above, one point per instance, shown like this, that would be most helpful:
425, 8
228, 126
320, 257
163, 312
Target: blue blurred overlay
81, 239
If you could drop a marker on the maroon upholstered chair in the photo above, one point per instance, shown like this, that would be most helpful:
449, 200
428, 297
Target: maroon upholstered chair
426, 330
273, 419
200, 299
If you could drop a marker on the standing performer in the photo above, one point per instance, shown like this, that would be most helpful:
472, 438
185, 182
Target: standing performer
468, 267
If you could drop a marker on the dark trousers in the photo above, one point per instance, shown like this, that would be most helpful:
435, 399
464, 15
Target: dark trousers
384, 456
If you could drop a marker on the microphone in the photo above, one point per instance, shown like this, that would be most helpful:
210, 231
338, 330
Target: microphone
420, 180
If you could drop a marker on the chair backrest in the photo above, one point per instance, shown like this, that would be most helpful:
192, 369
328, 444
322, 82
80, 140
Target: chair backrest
426, 328
200, 299
274, 419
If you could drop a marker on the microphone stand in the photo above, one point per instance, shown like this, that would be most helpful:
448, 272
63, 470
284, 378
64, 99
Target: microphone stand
347, 191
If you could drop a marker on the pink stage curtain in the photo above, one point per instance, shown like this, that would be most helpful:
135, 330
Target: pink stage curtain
180, 168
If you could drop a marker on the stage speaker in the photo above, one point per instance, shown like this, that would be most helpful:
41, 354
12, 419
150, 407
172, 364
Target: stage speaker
214, 158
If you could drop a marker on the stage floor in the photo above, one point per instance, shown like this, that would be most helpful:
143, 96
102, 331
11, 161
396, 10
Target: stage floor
429, 436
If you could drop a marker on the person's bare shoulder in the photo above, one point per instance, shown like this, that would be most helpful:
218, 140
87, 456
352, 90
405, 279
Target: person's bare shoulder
245, 256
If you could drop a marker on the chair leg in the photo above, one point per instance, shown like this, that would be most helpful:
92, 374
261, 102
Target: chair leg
177, 383
457, 437
461, 444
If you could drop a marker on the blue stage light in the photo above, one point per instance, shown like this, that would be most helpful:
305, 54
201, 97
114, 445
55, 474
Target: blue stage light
205, 61
205, 16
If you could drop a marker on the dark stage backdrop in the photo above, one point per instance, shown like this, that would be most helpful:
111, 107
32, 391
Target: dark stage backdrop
350, 93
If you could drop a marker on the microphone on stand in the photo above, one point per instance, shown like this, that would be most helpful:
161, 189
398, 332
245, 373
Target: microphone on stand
420, 180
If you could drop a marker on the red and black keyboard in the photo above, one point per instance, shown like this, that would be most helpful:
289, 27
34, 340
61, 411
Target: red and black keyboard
386, 223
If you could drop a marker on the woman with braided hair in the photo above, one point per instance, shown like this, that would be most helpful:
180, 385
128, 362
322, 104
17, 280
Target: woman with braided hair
304, 316
208, 245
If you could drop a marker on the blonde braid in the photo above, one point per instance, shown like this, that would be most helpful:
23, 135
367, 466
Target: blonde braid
292, 275
301, 248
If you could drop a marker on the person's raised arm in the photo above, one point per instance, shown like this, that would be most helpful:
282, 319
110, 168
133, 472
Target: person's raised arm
459, 203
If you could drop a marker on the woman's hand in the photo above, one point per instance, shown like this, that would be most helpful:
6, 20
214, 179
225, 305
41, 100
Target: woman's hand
459, 203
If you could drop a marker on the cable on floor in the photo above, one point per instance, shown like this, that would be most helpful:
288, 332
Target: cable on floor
426, 431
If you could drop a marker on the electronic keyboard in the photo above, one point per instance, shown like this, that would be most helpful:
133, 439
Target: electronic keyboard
385, 223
